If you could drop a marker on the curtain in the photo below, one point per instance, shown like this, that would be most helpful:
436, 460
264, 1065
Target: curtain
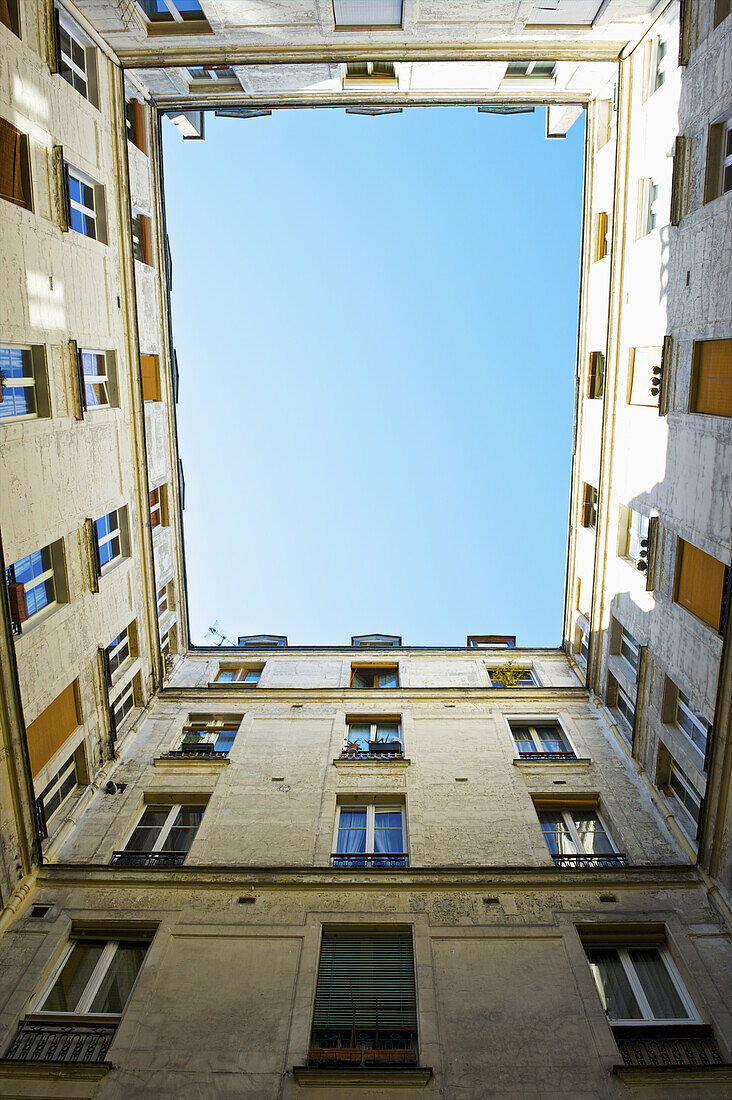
117, 982
556, 834
613, 985
73, 979
665, 1002
352, 831
388, 831
593, 837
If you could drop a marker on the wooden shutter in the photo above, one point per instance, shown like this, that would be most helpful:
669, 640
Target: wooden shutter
366, 980
52, 728
712, 384
145, 239
596, 384
18, 607
600, 236
677, 180
9, 15
14, 167
138, 125
150, 378
589, 506
713, 172
700, 583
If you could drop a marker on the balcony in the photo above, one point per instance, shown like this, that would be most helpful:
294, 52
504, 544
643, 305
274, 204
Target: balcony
41, 1041
683, 1050
365, 861
195, 752
376, 751
591, 862
148, 859
368, 1046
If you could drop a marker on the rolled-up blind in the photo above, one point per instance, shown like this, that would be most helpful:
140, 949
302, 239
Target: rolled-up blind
366, 980
700, 584
713, 377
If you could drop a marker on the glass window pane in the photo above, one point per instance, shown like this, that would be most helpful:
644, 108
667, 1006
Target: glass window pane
359, 733
552, 739
388, 831
387, 678
352, 831
147, 830
556, 834
388, 731
73, 979
523, 739
593, 837
665, 1002
117, 982
613, 985
181, 836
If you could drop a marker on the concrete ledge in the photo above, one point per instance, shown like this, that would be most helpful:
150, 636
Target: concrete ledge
51, 1080
365, 764
370, 1076
178, 762
670, 1076
580, 763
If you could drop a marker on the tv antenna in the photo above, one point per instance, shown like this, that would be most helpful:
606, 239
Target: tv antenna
216, 631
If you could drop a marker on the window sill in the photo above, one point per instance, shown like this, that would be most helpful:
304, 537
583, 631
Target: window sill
171, 29
369, 762
77, 1071
190, 759
673, 1075
579, 763
370, 1076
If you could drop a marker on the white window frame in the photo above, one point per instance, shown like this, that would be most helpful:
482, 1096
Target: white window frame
116, 532
121, 701
244, 670
637, 529
365, 26
530, 67
572, 828
533, 680
531, 722
156, 507
725, 161
373, 724
42, 578
162, 599
641, 999
26, 382
583, 649
628, 702
96, 379
173, 810
659, 61
695, 719
648, 214
84, 74
213, 74
170, 5
74, 204
626, 641
123, 648
210, 729
675, 770
72, 764
91, 988
372, 808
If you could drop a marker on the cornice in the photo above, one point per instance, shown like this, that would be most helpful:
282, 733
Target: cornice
373, 697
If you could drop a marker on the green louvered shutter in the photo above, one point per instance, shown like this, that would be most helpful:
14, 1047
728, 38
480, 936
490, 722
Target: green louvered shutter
366, 981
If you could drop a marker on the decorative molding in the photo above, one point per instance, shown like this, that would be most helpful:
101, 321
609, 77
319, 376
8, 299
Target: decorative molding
373, 1076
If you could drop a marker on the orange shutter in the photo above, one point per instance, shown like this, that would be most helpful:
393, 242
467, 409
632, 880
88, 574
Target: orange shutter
600, 236
138, 125
150, 378
51, 728
700, 584
713, 378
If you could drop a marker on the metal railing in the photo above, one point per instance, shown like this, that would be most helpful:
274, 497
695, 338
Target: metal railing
546, 755
191, 753
359, 860
362, 1046
371, 754
148, 859
37, 1041
607, 859
670, 1050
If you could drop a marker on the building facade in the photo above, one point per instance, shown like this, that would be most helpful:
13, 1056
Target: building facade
269, 870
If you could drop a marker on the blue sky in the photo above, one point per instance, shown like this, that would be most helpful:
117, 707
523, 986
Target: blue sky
375, 321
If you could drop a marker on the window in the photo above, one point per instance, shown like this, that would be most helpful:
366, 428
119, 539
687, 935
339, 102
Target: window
169, 646
373, 737
84, 202
150, 369
162, 11
376, 641
635, 535
141, 238
596, 375
158, 517
508, 676
135, 122
262, 641
364, 676
119, 650
108, 537
162, 600
583, 642
18, 398
123, 705
701, 584
711, 380
604, 110
10, 16
695, 725
31, 585
617, 697
721, 11
359, 73
77, 62
626, 645
370, 836
62, 787
600, 249
96, 379
95, 978
367, 13
645, 376
648, 210
163, 835
214, 73
589, 506
208, 737
365, 998
639, 985
658, 61
490, 641
15, 174
677, 784
53, 727
240, 674
540, 740
543, 70
578, 837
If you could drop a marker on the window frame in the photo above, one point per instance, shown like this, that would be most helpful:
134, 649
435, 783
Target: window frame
14, 24
117, 532
529, 671
240, 679
65, 27
589, 507
648, 1019
635, 534
90, 380
627, 643
530, 722
572, 828
358, 669
175, 16
173, 809
162, 598
210, 731
72, 763
26, 381
119, 703
141, 234
155, 503
695, 719
596, 375
86, 212
683, 780
373, 724
628, 703
121, 644
658, 61
46, 576
369, 26
648, 213
529, 72
372, 808
93, 984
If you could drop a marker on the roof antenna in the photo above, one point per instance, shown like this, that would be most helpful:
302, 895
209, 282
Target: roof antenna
217, 633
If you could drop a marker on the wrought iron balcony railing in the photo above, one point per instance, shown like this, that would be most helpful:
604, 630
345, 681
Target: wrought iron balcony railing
547, 755
361, 1046
359, 860
190, 752
38, 1041
148, 859
607, 859
670, 1050
372, 754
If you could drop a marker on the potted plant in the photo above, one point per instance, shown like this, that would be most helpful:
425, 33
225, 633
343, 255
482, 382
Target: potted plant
380, 746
